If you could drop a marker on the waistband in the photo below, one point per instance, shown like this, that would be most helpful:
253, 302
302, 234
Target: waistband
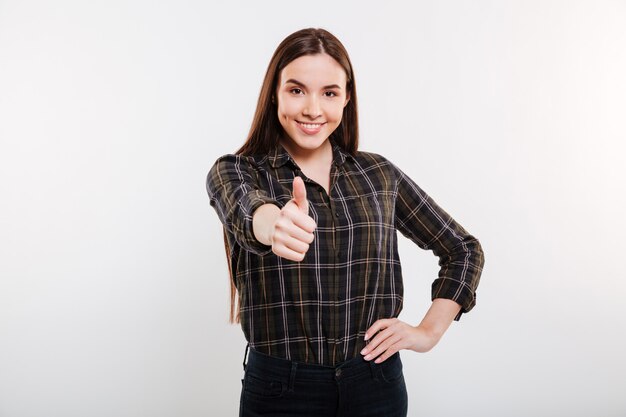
286, 369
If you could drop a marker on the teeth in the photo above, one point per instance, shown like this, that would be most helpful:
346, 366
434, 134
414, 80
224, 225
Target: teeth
311, 125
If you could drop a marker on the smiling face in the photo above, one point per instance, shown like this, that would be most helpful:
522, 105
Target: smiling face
311, 95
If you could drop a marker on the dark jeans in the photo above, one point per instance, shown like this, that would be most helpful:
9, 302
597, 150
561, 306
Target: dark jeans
282, 388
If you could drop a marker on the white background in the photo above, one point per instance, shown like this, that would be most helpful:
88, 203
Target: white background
113, 279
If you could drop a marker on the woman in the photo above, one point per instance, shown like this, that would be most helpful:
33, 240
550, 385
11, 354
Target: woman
310, 236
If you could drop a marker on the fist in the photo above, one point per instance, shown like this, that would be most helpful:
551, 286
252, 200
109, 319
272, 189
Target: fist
293, 230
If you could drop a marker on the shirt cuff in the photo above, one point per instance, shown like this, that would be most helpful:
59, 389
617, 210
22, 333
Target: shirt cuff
456, 291
251, 202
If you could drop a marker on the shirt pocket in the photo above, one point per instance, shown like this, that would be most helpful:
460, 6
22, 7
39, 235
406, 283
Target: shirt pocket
370, 218
372, 210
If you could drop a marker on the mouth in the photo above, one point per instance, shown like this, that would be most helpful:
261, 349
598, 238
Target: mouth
310, 128
310, 125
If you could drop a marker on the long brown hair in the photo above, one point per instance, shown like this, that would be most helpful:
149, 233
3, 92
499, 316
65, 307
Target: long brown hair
266, 128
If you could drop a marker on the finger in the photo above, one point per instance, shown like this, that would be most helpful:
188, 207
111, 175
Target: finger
375, 342
286, 227
387, 354
378, 325
299, 218
383, 347
304, 222
294, 244
285, 252
299, 195
301, 235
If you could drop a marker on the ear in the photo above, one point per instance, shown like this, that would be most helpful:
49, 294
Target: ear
347, 100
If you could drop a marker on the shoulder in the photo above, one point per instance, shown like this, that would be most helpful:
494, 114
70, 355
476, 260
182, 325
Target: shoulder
366, 157
233, 162
231, 167
366, 160
231, 159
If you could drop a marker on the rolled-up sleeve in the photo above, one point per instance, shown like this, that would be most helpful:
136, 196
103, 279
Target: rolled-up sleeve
234, 194
461, 257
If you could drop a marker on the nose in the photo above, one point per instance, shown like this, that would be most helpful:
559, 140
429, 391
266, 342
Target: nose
312, 108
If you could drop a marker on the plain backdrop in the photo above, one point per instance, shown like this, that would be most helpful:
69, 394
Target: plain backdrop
113, 278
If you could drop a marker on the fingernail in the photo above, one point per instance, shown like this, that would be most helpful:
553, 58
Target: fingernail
368, 357
367, 336
364, 351
378, 360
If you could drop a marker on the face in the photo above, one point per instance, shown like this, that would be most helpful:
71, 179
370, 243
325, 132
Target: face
311, 94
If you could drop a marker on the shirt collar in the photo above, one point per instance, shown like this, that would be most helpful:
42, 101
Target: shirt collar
278, 155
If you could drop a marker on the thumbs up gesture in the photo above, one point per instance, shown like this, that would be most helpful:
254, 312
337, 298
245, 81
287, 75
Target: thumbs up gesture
299, 195
293, 230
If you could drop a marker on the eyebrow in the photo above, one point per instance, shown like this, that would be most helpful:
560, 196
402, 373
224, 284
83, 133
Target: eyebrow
296, 82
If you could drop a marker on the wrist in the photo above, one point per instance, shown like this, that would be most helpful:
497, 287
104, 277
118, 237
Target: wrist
263, 221
424, 339
429, 332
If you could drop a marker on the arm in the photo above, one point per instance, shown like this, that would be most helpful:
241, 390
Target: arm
255, 219
460, 254
394, 335
235, 195
453, 292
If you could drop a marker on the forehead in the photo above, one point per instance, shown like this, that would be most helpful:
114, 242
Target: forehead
314, 70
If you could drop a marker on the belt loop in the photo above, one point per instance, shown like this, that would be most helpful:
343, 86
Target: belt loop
245, 355
292, 375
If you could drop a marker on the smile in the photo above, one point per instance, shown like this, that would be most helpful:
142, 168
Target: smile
310, 125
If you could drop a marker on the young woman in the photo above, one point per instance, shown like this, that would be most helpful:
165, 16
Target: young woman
310, 235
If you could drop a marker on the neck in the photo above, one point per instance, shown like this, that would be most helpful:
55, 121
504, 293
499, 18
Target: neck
306, 157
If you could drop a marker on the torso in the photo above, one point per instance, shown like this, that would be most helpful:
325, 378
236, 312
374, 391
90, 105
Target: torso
353, 247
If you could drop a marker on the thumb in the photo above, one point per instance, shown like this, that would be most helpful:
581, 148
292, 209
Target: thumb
299, 194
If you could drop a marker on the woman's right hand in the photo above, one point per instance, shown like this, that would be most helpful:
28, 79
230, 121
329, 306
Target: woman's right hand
290, 231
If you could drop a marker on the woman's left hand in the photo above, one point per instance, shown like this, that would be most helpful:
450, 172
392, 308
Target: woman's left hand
394, 335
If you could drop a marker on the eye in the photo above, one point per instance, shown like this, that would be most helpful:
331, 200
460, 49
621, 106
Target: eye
296, 90
331, 94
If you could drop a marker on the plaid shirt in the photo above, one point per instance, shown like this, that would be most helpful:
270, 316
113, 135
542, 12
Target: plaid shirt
317, 310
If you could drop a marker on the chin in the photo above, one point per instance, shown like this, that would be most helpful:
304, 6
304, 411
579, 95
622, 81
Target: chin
309, 143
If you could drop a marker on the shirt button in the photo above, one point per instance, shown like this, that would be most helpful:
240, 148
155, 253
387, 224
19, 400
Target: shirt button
338, 373
336, 214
